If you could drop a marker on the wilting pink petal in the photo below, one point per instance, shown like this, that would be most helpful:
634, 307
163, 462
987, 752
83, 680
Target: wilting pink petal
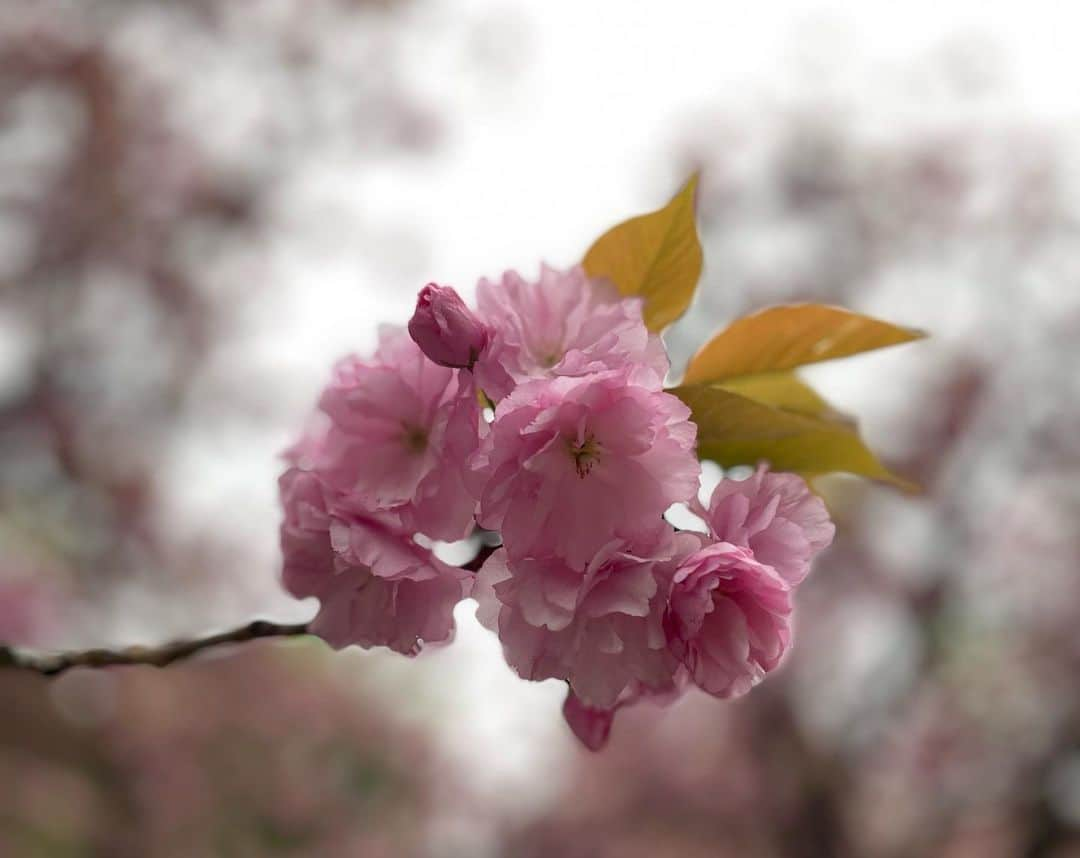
592, 725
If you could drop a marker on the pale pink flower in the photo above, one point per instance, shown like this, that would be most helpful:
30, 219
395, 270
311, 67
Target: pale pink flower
376, 586
400, 432
562, 325
776, 516
570, 464
599, 627
445, 329
729, 618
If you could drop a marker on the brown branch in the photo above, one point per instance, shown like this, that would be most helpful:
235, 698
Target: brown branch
52, 664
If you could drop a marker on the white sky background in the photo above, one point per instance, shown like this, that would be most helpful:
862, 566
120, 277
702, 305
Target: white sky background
569, 126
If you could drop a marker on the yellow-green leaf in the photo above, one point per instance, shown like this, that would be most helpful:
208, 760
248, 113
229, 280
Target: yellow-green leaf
783, 390
787, 336
656, 256
736, 430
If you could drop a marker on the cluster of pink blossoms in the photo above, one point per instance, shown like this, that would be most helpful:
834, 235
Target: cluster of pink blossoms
583, 455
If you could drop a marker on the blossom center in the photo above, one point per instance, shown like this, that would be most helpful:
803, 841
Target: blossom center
585, 454
415, 439
550, 359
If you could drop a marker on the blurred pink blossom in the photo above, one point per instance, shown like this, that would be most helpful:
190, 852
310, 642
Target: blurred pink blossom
28, 609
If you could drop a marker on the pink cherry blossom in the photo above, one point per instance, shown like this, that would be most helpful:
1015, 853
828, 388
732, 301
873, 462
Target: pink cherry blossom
445, 329
776, 516
583, 455
599, 627
404, 614
570, 464
400, 432
562, 325
729, 618
376, 586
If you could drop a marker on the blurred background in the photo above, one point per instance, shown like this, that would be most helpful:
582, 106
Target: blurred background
203, 204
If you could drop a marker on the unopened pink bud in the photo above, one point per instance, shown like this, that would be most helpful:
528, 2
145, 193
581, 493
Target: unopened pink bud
445, 329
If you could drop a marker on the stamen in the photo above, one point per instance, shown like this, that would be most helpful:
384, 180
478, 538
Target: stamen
584, 454
415, 439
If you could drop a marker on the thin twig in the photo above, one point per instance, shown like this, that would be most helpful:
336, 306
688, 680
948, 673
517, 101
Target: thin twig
52, 664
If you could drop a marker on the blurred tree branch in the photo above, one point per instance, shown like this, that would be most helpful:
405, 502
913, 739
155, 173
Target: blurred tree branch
53, 664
